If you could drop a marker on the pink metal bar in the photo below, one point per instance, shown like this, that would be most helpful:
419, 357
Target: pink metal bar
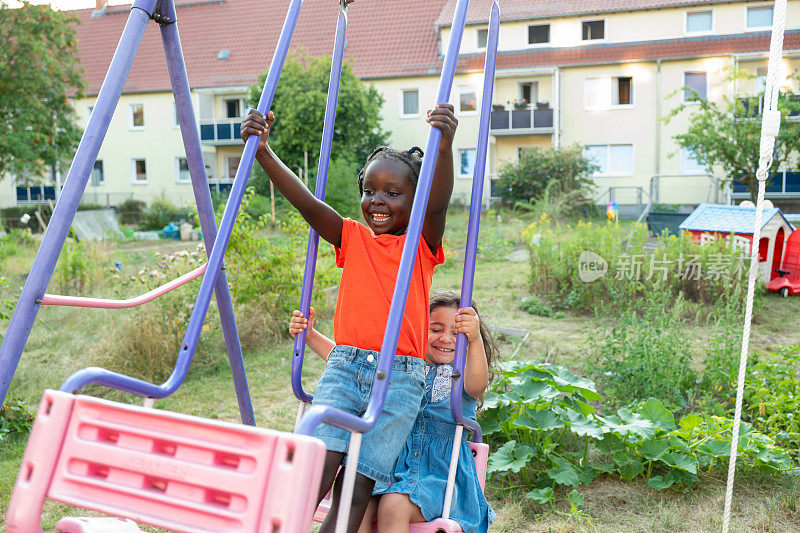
103, 303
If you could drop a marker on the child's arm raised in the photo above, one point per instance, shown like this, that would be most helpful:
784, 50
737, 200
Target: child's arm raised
476, 369
319, 215
319, 343
445, 120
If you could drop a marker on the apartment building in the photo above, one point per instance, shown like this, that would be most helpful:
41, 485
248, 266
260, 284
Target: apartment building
601, 75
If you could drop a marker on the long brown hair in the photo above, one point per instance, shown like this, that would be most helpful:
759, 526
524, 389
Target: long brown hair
452, 299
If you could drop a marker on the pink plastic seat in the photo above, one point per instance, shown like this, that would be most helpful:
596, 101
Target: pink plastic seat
480, 452
166, 469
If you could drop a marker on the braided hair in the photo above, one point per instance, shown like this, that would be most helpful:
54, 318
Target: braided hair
412, 158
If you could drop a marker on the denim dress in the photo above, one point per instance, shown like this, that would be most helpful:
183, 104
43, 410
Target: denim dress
423, 464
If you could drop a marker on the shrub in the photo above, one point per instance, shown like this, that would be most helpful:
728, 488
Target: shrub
341, 191
535, 306
160, 213
266, 273
131, 211
76, 267
644, 353
527, 179
10, 216
625, 269
15, 418
546, 436
14, 241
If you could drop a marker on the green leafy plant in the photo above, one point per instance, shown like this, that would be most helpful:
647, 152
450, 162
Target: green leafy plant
535, 306
548, 436
76, 267
160, 213
131, 211
15, 418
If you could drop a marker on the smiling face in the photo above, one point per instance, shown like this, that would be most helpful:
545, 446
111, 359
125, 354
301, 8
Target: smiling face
387, 197
441, 335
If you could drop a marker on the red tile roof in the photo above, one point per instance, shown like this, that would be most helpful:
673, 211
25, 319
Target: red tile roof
614, 53
532, 9
386, 38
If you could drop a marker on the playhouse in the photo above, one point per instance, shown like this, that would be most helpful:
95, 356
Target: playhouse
710, 222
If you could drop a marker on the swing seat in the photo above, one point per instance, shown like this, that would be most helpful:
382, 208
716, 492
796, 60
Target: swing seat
480, 452
165, 469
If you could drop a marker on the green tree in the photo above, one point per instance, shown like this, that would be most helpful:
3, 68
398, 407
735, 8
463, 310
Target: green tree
550, 170
726, 135
299, 107
38, 70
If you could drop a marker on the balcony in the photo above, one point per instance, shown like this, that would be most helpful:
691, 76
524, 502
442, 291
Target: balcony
521, 121
785, 184
220, 131
753, 106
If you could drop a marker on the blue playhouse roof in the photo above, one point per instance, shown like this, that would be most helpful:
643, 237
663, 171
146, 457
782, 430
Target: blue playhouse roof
728, 218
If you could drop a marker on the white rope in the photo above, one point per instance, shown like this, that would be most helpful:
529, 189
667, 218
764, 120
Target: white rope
770, 125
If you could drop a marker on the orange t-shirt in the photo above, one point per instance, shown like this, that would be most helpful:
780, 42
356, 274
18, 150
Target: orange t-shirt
369, 266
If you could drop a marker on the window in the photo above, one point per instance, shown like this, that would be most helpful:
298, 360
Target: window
613, 159
529, 91
98, 176
689, 163
233, 165
538, 34
481, 36
409, 103
694, 85
761, 79
182, 170
759, 17
136, 119
467, 99
89, 109
467, 162
593, 29
210, 162
606, 92
138, 171
176, 120
698, 21
233, 108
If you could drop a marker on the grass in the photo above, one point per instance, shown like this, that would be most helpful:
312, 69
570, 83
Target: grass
62, 340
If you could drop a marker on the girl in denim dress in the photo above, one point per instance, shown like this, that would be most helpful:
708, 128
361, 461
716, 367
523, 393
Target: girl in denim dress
416, 493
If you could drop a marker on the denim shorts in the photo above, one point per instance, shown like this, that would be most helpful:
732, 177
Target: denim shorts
347, 383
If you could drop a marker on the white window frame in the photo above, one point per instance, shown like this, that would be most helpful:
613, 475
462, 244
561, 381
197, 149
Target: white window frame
608, 158
130, 117
549, 36
466, 176
683, 85
176, 124
477, 39
747, 8
134, 181
701, 32
605, 30
462, 89
401, 102
609, 105
683, 155
178, 170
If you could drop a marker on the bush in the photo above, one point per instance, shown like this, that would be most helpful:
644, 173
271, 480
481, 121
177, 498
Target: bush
527, 179
645, 354
562, 259
160, 213
535, 306
15, 418
76, 267
265, 274
10, 216
131, 211
341, 191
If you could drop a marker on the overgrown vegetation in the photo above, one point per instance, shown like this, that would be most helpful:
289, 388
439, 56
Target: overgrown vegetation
551, 434
15, 418
160, 213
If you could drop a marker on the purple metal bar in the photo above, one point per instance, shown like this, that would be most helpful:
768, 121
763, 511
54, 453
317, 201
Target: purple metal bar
189, 344
319, 192
475, 221
335, 417
35, 286
205, 208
